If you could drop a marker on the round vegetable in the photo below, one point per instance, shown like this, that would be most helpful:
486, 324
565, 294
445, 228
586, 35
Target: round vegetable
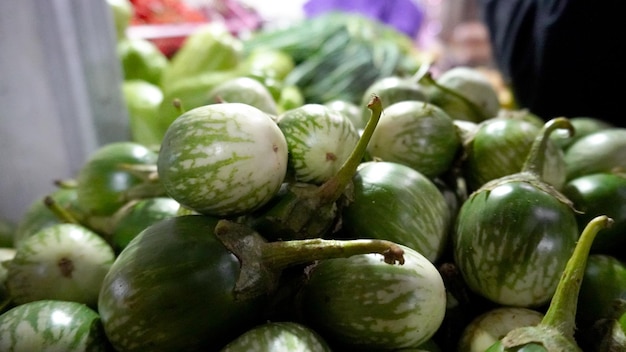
50, 325
601, 151
489, 327
499, 147
319, 141
396, 203
138, 215
604, 284
223, 159
62, 262
244, 90
103, 181
171, 288
193, 283
279, 336
363, 303
391, 90
555, 331
38, 215
418, 135
514, 235
601, 194
464, 93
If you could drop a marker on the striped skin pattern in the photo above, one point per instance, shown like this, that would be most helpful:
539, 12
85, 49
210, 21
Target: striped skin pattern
223, 159
500, 148
486, 329
418, 135
278, 336
171, 289
51, 326
396, 203
319, 139
64, 262
364, 302
512, 243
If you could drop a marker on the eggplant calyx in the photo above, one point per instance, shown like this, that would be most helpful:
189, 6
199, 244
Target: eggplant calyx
534, 180
304, 210
262, 262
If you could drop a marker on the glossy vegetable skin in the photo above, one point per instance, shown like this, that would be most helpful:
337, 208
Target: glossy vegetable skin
361, 302
171, 289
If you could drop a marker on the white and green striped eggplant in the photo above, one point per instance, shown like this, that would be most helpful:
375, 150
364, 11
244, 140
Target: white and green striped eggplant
278, 336
50, 325
418, 135
394, 202
63, 262
223, 159
363, 303
319, 140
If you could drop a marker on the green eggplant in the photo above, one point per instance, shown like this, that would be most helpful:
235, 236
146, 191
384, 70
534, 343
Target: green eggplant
105, 182
391, 89
52, 325
278, 336
464, 93
490, 326
244, 90
603, 290
596, 194
513, 236
361, 304
349, 109
307, 210
195, 282
601, 151
499, 146
39, 215
583, 126
417, 134
555, 332
135, 216
394, 202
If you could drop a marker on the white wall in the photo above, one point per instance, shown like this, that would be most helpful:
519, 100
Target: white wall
60, 94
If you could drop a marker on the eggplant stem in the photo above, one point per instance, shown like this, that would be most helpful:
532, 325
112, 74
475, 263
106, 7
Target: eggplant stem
561, 314
428, 78
61, 213
332, 189
537, 155
282, 254
262, 262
